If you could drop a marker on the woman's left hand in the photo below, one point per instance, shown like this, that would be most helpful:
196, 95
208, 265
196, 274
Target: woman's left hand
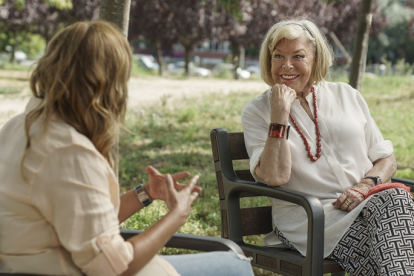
155, 187
350, 198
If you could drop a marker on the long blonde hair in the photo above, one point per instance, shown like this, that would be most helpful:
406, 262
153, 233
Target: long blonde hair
82, 79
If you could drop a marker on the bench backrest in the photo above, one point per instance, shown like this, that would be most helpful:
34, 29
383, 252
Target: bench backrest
254, 220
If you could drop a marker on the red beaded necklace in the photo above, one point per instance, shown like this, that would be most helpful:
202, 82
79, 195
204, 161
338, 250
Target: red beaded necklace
318, 135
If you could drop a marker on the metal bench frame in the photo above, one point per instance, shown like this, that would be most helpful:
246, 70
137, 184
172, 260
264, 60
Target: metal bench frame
239, 222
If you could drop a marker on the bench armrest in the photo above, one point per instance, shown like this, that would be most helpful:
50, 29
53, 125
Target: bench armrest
193, 242
312, 206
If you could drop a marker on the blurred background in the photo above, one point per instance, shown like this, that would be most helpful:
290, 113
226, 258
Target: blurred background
204, 39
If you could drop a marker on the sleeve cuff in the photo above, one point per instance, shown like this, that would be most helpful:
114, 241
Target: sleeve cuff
114, 257
380, 150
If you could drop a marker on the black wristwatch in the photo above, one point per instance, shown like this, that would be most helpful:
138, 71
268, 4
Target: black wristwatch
142, 195
376, 179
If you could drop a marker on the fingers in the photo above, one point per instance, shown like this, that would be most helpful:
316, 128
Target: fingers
348, 201
169, 183
353, 205
344, 205
282, 88
282, 96
176, 176
190, 188
194, 196
153, 171
180, 175
197, 189
192, 184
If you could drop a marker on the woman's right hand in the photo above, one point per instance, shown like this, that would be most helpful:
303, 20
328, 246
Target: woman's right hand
281, 100
179, 201
155, 187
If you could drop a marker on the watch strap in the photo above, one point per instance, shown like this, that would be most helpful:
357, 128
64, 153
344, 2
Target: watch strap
142, 195
376, 179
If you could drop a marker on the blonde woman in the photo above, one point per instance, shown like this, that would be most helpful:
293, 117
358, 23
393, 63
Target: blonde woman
318, 137
60, 207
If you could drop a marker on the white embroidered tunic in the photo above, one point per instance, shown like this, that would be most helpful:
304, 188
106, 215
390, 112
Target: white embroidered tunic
351, 142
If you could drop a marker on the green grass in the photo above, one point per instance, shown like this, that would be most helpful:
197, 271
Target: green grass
4, 65
10, 90
175, 137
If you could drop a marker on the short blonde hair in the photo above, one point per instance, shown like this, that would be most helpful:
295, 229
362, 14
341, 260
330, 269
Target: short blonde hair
292, 29
82, 78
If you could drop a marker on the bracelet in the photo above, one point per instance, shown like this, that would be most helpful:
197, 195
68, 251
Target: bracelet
278, 131
355, 190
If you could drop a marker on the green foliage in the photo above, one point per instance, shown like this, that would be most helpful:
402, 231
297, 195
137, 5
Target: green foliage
19, 4
60, 4
32, 44
403, 68
188, 115
405, 173
395, 41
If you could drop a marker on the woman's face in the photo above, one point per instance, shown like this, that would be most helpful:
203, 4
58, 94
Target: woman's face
292, 63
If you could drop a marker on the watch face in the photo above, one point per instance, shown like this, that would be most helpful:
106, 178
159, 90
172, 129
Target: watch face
376, 179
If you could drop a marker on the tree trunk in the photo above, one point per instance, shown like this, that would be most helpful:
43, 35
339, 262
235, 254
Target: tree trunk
187, 59
116, 12
13, 48
159, 57
236, 61
361, 46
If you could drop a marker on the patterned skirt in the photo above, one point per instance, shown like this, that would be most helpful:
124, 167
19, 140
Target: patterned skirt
381, 239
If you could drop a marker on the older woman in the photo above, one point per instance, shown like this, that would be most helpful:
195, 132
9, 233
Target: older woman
318, 137
60, 207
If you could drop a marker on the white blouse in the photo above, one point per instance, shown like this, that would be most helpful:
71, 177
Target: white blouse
63, 220
351, 142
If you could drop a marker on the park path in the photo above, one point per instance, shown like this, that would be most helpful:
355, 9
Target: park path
143, 91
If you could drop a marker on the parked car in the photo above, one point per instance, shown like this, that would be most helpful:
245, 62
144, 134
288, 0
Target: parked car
179, 66
226, 69
20, 56
148, 62
254, 70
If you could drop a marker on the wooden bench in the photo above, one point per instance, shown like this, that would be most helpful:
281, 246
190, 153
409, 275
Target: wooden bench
234, 183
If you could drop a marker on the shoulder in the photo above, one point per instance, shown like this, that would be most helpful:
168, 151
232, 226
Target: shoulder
63, 143
70, 155
62, 135
338, 89
258, 105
